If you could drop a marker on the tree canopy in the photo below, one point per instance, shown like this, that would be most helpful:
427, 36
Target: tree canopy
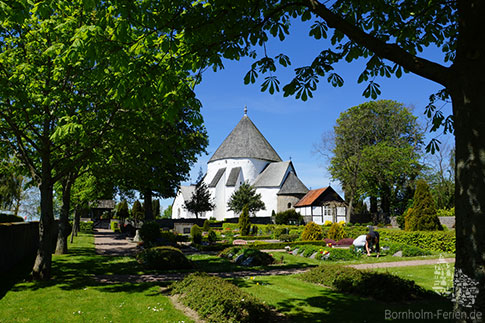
245, 195
200, 200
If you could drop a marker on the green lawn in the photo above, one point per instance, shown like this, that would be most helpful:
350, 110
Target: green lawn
422, 275
72, 295
305, 302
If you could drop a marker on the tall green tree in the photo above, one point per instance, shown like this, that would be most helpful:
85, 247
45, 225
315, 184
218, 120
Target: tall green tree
70, 70
12, 185
156, 209
137, 212
391, 36
245, 195
244, 223
200, 200
122, 210
376, 152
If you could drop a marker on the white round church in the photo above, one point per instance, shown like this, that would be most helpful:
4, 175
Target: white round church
245, 156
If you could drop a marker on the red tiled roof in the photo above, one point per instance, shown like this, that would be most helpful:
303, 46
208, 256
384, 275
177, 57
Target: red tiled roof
310, 197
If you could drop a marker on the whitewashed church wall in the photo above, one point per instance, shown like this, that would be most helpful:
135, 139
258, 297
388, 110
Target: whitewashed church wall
220, 199
178, 209
269, 197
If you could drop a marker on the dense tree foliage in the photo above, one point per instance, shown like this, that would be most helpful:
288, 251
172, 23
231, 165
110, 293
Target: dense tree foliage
245, 195
123, 210
11, 185
376, 154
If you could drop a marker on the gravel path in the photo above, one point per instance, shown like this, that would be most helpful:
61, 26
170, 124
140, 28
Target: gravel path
108, 243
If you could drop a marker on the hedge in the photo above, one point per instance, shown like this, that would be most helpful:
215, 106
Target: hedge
86, 227
326, 253
282, 245
381, 286
443, 241
217, 300
10, 218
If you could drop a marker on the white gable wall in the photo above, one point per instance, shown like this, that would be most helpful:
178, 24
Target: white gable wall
270, 199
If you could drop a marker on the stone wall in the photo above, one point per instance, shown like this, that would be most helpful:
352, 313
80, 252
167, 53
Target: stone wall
448, 221
18, 242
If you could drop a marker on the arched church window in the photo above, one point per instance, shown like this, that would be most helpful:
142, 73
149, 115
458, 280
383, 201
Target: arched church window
289, 205
178, 212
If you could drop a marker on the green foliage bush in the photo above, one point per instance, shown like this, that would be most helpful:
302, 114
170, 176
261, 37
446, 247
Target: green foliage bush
446, 212
206, 227
336, 232
381, 286
163, 258
216, 300
312, 232
168, 238
241, 254
86, 227
407, 251
428, 240
114, 226
10, 218
280, 245
211, 236
196, 234
288, 217
289, 237
422, 216
150, 232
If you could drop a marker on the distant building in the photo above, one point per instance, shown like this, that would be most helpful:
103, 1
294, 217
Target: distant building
245, 156
322, 205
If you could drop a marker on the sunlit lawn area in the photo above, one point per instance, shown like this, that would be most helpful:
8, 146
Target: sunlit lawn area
305, 302
72, 295
422, 275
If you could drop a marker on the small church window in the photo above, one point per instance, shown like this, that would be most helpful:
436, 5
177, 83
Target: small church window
289, 205
178, 212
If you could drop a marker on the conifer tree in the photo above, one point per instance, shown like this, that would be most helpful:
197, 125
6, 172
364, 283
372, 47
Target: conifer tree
200, 200
246, 195
244, 224
423, 215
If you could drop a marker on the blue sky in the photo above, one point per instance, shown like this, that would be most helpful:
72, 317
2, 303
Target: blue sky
291, 126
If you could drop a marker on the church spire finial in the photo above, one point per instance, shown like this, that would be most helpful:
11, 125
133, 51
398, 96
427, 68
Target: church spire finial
245, 110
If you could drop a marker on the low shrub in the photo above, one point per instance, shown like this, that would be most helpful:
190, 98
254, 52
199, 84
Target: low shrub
289, 237
206, 226
167, 238
446, 212
8, 218
381, 286
407, 251
281, 245
254, 237
86, 227
150, 232
163, 258
336, 231
114, 226
128, 229
345, 242
212, 237
327, 223
312, 232
217, 300
196, 234
247, 256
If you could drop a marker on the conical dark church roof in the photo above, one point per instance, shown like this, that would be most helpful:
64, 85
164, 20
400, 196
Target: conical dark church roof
245, 141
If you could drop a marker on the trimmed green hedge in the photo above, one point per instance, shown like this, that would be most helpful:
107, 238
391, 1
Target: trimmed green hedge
407, 251
217, 300
282, 245
253, 238
381, 286
428, 240
86, 227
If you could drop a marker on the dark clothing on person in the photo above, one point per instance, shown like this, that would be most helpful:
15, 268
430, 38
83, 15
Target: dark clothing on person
373, 240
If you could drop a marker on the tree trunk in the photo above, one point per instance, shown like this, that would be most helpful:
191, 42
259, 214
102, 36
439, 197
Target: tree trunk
469, 285
468, 96
75, 225
373, 205
147, 195
43, 261
63, 233
349, 209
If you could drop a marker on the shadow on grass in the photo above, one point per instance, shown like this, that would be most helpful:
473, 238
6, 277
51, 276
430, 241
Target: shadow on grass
332, 306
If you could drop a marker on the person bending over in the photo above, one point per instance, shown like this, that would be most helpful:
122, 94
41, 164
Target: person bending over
371, 242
